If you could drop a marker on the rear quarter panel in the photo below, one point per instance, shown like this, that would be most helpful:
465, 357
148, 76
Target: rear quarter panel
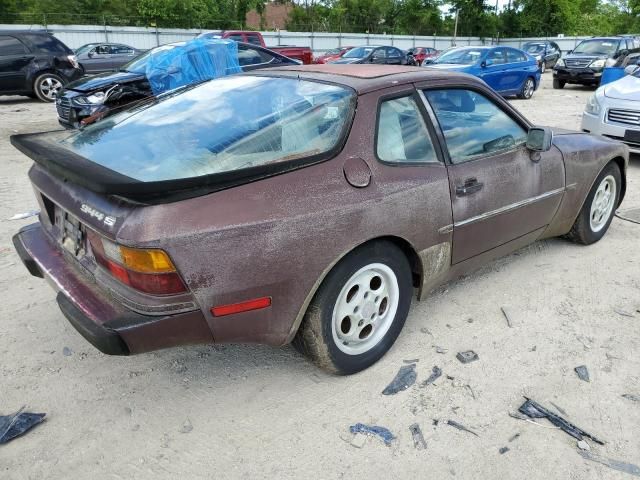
279, 236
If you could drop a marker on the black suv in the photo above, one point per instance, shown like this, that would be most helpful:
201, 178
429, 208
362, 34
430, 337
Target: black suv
584, 64
35, 64
545, 52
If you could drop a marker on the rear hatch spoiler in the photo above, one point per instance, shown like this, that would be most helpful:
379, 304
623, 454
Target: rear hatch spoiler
45, 149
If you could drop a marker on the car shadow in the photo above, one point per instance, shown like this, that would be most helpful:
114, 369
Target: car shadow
17, 101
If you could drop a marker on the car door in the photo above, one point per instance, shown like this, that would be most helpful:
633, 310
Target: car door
379, 56
98, 60
394, 56
14, 59
515, 70
493, 70
500, 191
120, 54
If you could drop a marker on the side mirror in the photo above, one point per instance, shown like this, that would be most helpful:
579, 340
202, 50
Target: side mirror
569, 52
539, 139
486, 63
630, 69
90, 54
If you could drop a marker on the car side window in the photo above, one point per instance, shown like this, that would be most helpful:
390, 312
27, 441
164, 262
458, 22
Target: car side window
393, 52
473, 126
236, 38
251, 56
253, 39
11, 46
379, 53
497, 56
402, 135
514, 56
121, 50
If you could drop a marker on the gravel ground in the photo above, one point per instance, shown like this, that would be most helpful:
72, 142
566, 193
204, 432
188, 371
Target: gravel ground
258, 412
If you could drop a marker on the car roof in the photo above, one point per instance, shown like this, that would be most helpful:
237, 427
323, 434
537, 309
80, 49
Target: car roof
365, 78
23, 32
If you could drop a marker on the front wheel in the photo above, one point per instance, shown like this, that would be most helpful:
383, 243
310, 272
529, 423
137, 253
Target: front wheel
597, 212
358, 311
528, 87
558, 84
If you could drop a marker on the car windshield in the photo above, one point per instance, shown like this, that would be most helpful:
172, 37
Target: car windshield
461, 56
139, 64
359, 52
219, 127
597, 47
85, 48
533, 47
333, 51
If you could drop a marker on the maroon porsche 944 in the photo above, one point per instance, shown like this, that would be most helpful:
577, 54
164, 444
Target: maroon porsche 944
304, 204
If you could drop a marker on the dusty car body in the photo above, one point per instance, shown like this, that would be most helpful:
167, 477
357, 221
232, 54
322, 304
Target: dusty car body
259, 249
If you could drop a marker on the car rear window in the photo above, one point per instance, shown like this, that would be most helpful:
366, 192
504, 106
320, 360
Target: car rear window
225, 125
46, 43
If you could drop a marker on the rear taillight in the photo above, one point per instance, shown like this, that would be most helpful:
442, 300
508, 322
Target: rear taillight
147, 270
73, 60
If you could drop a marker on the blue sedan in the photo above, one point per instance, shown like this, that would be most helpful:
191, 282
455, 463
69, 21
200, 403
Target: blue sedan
507, 70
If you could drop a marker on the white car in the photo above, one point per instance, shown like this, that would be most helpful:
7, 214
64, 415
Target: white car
614, 111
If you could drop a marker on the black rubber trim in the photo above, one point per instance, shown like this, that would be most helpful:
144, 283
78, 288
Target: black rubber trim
103, 338
28, 262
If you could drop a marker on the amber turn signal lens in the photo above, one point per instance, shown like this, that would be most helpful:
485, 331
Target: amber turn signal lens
146, 261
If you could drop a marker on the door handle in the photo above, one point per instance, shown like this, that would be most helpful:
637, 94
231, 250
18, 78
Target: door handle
470, 185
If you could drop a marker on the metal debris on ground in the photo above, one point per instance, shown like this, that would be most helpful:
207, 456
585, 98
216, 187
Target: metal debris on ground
436, 372
625, 467
383, 433
559, 409
441, 350
12, 426
505, 312
418, 439
503, 450
631, 396
583, 373
22, 216
533, 409
623, 313
415, 360
515, 437
461, 427
467, 357
405, 377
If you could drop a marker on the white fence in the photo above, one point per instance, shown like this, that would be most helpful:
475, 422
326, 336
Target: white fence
148, 37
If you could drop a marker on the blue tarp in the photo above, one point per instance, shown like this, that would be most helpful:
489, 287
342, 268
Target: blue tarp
195, 61
611, 74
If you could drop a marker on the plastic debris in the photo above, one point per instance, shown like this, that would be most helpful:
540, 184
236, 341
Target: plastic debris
405, 377
467, 357
441, 350
582, 445
383, 433
415, 360
503, 450
12, 426
515, 437
623, 313
418, 439
436, 372
533, 409
461, 427
66, 351
625, 467
505, 312
583, 373
631, 396
22, 216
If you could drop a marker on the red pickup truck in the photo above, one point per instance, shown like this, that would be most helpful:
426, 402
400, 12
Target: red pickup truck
304, 54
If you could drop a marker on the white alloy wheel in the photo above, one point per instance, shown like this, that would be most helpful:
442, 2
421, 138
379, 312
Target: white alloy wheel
365, 309
603, 203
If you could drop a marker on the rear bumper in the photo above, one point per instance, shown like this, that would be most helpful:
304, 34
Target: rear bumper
103, 322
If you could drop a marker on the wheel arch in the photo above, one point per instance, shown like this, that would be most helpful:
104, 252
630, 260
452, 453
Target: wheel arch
414, 259
623, 175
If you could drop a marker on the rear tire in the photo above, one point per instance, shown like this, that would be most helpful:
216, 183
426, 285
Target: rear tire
47, 86
558, 84
358, 311
528, 87
598, 210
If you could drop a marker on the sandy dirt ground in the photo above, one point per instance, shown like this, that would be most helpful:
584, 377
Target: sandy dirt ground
238, 411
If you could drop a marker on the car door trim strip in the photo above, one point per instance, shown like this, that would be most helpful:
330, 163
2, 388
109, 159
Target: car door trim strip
508, 208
